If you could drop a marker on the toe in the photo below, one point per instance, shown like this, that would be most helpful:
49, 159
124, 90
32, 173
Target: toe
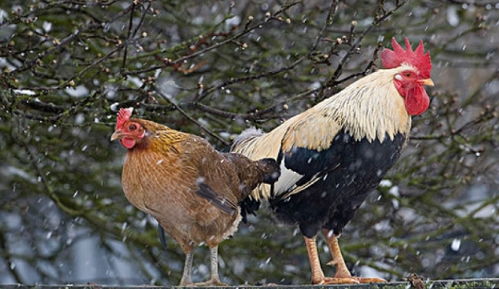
335, 280
369, 280
210, 283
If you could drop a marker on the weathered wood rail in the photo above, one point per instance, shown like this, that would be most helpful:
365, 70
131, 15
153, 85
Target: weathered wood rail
487, 283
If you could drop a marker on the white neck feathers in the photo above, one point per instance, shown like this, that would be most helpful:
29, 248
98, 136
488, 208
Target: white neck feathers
370, 107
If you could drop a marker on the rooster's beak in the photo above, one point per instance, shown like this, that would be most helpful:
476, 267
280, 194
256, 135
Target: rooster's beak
116, 135
427, 81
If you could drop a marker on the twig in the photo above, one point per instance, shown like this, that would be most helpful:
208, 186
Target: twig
247, 78
329, 20
177, 107
332, 80
129, 33
213, 46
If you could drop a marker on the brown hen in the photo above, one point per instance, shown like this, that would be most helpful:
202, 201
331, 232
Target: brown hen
192, 190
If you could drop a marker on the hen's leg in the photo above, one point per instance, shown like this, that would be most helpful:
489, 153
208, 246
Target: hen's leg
214, 277
342, 271
315, 266
186, 275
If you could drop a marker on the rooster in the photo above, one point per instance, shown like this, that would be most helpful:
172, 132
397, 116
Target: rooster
332, 155
190, 188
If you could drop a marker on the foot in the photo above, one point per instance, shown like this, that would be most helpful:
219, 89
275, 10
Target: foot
335, 280
185, 284
345, 275
369, 280
211, 282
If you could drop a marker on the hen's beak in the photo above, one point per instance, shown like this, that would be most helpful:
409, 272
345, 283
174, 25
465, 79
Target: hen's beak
427, 81
116, 135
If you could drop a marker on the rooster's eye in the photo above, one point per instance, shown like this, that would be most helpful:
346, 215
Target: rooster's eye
408, 74
132, 127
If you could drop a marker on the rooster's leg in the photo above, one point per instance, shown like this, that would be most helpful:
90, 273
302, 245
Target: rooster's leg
186, 275
214, 277
313, 258
315, 266
342, 271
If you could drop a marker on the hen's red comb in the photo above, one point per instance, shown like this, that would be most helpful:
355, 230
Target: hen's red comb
123, 116
417, 58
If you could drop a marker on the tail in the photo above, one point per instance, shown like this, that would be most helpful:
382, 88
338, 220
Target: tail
270, 169
249, 207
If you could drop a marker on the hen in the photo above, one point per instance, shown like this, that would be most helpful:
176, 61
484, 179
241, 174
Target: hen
191, 189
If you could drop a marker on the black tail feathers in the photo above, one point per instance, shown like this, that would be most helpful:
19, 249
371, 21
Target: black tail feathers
249, 207
270, 169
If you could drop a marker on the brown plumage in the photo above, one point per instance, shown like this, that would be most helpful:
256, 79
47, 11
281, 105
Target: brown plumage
191, 189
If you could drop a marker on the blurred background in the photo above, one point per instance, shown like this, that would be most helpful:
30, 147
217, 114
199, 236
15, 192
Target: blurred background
215, 68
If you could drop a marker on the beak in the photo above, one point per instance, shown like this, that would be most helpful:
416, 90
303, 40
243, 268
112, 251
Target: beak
427, 81
116, 135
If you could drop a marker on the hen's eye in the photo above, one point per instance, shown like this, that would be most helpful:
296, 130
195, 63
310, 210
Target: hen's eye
132, 127
408, 74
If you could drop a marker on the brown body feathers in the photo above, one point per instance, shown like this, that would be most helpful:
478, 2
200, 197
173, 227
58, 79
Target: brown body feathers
169, 173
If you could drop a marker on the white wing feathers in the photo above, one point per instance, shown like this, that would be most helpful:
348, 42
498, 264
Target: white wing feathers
287, 180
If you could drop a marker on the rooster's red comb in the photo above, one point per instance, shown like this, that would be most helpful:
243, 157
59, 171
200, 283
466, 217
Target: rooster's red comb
417, 58
123, 116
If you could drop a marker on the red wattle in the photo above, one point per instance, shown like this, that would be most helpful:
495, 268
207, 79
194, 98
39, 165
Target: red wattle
416, 100
128, 142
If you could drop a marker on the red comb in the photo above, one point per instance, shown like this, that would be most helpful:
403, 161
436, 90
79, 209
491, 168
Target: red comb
417, 58
123, 116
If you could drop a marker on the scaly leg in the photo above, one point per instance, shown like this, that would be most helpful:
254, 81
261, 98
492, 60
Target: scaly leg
342, 271
186, 275
214, 277
315, 266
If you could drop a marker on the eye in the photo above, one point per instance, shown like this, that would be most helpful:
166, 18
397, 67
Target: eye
408, 74
132, 127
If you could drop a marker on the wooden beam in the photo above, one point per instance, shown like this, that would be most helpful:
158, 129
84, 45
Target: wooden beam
484, 283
